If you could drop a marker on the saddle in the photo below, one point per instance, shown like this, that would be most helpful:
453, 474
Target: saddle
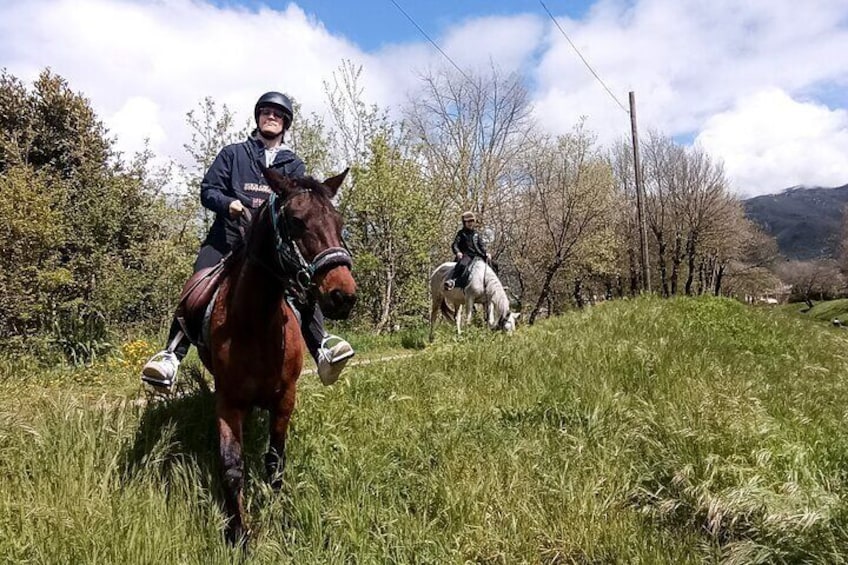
464, 276
196, 299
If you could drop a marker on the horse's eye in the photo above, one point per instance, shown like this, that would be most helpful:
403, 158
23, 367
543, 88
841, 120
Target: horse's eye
296, 227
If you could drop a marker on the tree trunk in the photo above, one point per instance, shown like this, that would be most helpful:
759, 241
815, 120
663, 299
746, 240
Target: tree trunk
388, 293
545, 290
719, 276
386, 300
690, 251
676, 260
663, 269
709, 273
578, 293
634, 273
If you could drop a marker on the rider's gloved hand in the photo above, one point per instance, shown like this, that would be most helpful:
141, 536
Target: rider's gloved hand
458, 256
236, 209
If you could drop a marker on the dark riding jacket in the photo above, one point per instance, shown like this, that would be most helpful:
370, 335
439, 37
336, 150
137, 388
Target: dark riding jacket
236, 174
469, 243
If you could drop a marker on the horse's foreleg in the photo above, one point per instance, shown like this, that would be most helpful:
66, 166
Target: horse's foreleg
275, 459
469, 307
459, 314
230, 424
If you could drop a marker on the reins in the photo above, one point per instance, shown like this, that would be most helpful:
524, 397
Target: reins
292, 269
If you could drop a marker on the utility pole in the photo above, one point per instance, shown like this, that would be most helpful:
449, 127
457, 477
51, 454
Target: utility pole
640, 198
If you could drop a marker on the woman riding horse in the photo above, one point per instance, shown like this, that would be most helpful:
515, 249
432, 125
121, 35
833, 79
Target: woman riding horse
233, 185
466, 246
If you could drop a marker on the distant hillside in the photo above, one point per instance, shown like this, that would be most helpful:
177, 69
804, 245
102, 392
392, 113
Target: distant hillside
805, 221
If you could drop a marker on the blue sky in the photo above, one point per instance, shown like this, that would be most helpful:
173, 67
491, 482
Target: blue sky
761, 85
372, 24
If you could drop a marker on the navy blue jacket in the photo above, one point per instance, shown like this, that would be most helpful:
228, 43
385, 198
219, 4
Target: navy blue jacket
468, 242
236, 174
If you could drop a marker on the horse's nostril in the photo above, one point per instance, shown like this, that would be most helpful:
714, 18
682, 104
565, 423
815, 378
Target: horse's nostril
342, 299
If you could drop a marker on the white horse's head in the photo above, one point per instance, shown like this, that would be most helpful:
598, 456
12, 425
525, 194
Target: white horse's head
508, 322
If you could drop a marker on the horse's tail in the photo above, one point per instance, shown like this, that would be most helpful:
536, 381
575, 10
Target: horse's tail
446, 311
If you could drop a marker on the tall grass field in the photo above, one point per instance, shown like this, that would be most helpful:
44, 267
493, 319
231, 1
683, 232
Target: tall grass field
643, 431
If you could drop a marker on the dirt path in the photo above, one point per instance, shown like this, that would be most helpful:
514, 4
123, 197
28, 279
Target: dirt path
367, 361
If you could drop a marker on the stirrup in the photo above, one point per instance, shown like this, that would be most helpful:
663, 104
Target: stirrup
331, 341
153, 375
331, 363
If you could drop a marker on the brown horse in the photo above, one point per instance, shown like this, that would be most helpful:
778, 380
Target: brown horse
293, 247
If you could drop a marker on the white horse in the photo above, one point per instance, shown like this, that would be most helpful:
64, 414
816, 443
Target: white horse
484, 287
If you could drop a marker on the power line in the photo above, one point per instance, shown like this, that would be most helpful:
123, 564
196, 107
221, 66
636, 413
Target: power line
585, 62
424, 33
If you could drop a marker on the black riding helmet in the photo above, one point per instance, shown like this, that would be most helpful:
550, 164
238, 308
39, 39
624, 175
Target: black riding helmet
277, 100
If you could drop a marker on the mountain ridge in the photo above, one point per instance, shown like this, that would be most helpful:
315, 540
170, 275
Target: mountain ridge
805, 221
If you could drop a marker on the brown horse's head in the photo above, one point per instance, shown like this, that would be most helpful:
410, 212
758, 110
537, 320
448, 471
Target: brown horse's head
306, 216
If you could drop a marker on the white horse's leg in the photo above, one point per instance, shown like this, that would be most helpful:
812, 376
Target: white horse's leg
459, 314
469, 305
490, 313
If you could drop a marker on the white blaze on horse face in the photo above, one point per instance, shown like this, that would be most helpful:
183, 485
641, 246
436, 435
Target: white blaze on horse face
509, 325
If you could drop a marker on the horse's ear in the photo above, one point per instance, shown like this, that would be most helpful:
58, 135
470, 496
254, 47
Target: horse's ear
333, 183
280, 184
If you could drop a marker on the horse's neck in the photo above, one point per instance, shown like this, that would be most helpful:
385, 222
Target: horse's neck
494, 291
254, 294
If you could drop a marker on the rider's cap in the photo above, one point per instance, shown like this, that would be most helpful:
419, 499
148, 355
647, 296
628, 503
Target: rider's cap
468, 216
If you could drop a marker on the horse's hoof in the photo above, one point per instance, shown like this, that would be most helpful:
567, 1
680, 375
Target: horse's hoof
275, 464
238, 537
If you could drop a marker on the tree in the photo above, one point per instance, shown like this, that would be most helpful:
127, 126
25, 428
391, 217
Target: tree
567, 208
310, 139
472, 134
31, 235
689, 211
388, 207
811, 278
627, 226
391, 226
660, 154
89, 220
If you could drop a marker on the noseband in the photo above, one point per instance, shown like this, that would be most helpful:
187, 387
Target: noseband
293, 269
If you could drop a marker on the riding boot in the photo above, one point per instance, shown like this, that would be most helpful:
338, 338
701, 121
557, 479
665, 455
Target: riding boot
312, 328
160, 371
331, 353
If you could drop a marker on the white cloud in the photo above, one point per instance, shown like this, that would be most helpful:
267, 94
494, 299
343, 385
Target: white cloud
770, 141
506, 42
170, 54
695, 66
137, 120
688, 61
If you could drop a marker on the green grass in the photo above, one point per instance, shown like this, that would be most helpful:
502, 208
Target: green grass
828, 310
645, 431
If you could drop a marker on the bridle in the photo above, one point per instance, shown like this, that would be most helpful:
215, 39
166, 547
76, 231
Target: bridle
291, 267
